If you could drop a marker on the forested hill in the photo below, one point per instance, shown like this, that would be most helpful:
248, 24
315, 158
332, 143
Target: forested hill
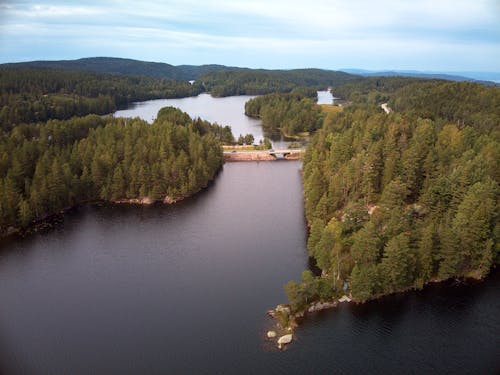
397, 200
113, 65
480, 77
260, 81
36, 95
460, 102
219, 80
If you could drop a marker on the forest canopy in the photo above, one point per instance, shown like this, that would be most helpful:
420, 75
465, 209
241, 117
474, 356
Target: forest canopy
259, 81
291, 113
45, 168
38, 95
394, 201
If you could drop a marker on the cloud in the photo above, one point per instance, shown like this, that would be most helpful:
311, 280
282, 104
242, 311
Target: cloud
286, 32
38, 11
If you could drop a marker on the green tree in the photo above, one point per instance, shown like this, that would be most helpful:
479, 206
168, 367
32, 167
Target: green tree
398, 264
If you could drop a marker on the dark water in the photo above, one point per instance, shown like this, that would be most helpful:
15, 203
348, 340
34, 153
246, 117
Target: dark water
183, 289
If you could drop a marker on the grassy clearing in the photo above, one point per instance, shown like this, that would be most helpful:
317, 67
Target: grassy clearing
330, 110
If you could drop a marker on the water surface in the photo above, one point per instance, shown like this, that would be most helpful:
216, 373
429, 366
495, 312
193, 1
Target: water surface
325, 97
229, 110
183, 289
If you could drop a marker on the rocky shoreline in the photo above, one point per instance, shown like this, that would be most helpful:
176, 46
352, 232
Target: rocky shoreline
148, 201
49, 220
286, 321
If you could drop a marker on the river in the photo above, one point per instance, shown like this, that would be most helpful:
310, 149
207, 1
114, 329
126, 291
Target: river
183, 289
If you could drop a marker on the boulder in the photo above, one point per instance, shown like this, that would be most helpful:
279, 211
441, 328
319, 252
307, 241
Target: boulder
169, 200
318, 306
271, 334
286, 339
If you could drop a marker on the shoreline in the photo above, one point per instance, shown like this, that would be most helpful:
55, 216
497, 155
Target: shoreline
267, 155
285, 322
48, 220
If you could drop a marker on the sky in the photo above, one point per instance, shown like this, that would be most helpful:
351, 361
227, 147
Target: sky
426, 35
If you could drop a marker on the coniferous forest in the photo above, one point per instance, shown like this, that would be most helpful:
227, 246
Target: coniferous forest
394, 201
45, 168
36, 95
291, 113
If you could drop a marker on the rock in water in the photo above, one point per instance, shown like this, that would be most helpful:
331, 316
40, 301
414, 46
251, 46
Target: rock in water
286, 339
271, 334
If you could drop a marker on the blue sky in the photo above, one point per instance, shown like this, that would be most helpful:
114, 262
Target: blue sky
432, 35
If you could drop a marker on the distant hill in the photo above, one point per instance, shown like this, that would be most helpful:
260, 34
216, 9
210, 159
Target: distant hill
219, 80
262, 81
121, 66
486, 78
113, 65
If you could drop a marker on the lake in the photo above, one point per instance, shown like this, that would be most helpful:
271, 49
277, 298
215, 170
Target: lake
224, 111
325, 97
183, 289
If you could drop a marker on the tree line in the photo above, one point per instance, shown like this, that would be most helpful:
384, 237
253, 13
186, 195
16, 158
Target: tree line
374, 90
38, 95
260, 81
395, 201
290, 113
47, 167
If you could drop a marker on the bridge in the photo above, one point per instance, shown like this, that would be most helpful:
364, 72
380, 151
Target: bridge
263, 155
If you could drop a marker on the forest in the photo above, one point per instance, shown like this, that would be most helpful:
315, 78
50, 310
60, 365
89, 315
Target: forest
394, 201
291, 114
37, 95
45, 168
127, 67
41, 91
259, 81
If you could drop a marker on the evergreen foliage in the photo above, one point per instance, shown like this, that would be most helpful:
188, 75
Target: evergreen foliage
38, 95
45, 168
259, 81
395, 201
291, 113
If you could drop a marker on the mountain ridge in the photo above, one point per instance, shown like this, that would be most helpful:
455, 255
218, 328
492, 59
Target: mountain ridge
123, 66
487, 78
186, 72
